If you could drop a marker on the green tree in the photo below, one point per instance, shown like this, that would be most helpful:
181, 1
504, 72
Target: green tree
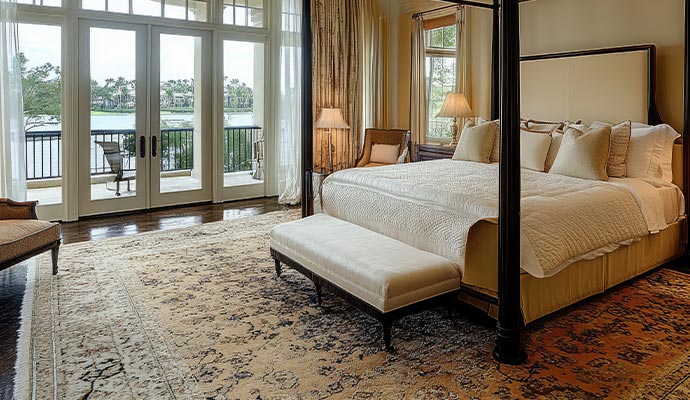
41, 86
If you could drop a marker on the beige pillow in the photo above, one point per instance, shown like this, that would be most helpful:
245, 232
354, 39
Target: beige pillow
544, 125
497, 140
556, 140
384, 153
584, 154
476, 143
534, 147
620, 140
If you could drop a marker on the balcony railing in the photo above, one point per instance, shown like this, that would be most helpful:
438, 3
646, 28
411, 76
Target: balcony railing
43, 148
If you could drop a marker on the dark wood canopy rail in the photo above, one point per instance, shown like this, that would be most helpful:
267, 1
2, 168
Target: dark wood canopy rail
505, 105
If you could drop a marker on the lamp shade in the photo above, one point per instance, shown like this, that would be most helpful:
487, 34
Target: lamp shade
455, 106
331, 118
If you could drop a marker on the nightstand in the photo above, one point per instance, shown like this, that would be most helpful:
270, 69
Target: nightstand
426, 152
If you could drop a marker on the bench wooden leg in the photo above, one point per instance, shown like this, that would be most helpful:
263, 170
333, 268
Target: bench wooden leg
54, 255
319, 292
279, 268
387, 334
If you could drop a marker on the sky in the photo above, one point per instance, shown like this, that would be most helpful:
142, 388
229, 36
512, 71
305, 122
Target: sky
113, 53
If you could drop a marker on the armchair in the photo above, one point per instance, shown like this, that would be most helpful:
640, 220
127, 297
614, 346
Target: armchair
383, 136
23, 236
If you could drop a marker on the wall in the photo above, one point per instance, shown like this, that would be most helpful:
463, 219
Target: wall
564, 25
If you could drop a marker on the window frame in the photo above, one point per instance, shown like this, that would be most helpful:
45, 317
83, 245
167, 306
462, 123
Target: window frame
431, 53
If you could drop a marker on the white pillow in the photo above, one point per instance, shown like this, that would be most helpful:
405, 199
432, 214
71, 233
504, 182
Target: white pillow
644, 154
384, 153
667, 153
403, 156
556, 140
640, 125
534, 147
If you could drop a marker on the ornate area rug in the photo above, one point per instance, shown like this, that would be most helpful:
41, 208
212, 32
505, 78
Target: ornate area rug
199, 313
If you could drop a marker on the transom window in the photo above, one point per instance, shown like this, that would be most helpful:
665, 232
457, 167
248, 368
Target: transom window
47, 3
244, 13
191, 10
441, 50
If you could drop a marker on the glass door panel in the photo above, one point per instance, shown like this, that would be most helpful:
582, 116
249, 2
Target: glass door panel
113, 113
243, 114
180, 117
112, 118
41, 58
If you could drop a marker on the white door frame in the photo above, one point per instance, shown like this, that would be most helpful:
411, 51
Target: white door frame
159, 199
141, 200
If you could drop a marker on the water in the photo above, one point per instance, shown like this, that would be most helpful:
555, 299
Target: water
127, 121
44, 160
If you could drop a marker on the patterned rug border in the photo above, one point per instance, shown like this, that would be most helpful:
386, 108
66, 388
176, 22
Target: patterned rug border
314, 321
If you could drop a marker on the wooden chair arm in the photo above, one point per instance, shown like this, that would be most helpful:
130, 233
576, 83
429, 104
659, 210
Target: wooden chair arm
10, 209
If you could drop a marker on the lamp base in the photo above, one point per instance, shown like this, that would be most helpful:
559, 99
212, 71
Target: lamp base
454, 130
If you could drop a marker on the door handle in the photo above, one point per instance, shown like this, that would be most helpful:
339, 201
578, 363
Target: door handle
142, 147
154, 146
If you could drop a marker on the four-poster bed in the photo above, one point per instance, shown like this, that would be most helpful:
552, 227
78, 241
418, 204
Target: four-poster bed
506, 104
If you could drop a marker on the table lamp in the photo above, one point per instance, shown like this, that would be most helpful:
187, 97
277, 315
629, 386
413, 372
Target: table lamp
455, 106
331, 118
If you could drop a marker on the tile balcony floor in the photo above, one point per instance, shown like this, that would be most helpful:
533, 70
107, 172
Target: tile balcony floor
53, 195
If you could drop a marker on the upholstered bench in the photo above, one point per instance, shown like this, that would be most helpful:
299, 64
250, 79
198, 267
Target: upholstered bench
379, 275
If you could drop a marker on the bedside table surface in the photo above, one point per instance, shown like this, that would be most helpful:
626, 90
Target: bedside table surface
425, 152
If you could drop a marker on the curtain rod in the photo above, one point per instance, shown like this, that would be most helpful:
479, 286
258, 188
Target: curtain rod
464, 3
419, 14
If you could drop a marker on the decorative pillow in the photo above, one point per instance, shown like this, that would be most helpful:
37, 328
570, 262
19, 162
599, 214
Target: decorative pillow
534, 124
477, 142
556, 140
584, 154
403, 157
620, 139
534, 147
644, 154
497, 139
384, 153
667, 154
495, 153
640, 125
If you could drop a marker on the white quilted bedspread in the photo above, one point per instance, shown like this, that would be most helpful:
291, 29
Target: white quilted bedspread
432, 205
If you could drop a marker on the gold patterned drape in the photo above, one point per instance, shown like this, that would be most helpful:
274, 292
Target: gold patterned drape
337, 77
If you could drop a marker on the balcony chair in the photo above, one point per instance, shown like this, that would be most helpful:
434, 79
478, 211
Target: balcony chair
23, 236
115, 158
387, 137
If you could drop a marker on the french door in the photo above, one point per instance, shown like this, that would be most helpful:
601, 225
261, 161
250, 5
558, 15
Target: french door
144, 104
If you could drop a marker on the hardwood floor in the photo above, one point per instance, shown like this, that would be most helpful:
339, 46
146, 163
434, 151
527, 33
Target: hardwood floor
13, 280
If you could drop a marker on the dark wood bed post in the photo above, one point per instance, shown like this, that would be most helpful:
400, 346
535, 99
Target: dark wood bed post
509, 348
495, 59
686, 127
307, 113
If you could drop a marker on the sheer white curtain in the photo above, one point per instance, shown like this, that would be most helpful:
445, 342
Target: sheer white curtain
289, 108
12, 164
418, 102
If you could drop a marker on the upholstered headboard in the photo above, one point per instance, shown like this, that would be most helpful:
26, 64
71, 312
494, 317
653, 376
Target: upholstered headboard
610, 85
